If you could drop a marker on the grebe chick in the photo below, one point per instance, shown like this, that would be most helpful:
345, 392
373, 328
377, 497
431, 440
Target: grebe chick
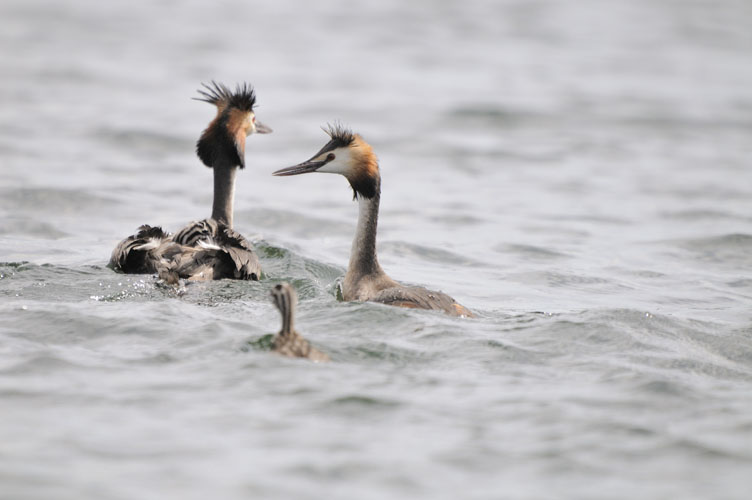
349, 155
208, 249
288, 342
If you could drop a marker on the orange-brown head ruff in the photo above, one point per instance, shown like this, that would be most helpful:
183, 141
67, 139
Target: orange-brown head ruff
223, 141
364, 174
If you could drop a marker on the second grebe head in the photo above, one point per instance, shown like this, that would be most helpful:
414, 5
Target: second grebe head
346, 154
284, 296
224, 138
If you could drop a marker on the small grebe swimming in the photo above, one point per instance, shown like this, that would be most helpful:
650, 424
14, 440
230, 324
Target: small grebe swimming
349, 155
210, 248
288, 342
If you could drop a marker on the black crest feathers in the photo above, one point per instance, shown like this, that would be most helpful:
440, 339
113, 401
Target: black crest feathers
244, 98
340, 135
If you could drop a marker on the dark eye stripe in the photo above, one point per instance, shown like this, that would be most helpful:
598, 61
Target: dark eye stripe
330, 146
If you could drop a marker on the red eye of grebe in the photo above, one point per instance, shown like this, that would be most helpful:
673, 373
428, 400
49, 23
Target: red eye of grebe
330, 157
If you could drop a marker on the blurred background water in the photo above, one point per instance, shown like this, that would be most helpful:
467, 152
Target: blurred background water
577, 173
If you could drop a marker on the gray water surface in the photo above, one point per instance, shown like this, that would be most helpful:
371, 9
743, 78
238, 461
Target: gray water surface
576, 173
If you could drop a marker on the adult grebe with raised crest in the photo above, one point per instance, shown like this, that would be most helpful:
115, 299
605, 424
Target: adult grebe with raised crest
349, 155
206, 249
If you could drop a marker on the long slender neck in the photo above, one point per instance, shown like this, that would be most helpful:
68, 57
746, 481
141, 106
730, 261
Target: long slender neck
224, 193
287, 319
363, 260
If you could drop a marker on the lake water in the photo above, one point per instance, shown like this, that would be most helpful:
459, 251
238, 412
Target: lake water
576, 173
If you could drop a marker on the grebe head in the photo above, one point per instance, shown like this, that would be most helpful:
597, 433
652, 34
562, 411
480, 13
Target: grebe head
345, 154
224, 138
284, 296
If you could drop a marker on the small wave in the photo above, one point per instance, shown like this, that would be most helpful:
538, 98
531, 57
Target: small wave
498, 115
656, 342
695, 445
574, 281
734, 240
530, 251
50, 269
701, 214
454, 219
28, 226
734, 248
42, 364
141, 141
598, 219
640, 116
302, 225
741, 283
306, 274
14, 265
54, 283
665, 388
60, 201
404, 249
358, 401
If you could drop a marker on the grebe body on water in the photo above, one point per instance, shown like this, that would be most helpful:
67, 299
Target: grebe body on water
210, 248
288, 342
349, 155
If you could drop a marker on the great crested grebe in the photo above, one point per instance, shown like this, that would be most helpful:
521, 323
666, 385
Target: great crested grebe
210, 248
349, 155
288, 342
